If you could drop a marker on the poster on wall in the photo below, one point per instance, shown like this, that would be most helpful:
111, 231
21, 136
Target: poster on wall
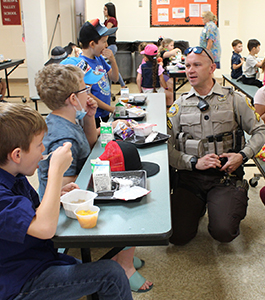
10, 12
163, 15
180, 12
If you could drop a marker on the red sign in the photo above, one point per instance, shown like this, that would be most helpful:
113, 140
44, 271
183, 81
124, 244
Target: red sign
10, 12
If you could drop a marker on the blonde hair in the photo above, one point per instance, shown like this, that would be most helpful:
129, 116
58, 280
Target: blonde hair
141, 46
19, 123
209, 15
55, 83
164, 44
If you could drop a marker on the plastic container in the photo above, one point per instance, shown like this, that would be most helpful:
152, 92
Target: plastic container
74, 199
143, 129
87, 215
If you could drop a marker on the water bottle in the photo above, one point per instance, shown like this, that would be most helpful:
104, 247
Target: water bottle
1, 57
178, 56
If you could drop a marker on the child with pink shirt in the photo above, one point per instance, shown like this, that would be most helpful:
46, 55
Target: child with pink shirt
150, 75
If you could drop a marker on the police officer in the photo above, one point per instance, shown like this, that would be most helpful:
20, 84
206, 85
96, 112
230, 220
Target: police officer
207, 149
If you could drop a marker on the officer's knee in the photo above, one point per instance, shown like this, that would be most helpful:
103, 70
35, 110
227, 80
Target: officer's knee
224, 234
181, 240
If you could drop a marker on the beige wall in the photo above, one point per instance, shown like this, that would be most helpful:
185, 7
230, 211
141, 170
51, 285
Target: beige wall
12, 46
134, 25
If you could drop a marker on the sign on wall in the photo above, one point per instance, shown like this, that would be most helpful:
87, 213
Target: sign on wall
180, 12
10, 12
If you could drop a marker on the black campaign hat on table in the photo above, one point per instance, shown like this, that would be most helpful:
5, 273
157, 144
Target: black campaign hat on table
124, 156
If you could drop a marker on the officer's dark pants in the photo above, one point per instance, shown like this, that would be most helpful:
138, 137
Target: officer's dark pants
227, 206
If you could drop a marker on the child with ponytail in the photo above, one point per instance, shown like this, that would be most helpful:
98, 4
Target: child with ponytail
150, 75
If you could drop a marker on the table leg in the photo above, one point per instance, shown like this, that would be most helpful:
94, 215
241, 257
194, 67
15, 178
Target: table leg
7, 85
86, 255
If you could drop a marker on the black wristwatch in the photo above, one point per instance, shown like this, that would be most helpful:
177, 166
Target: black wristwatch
193, 162
245, 158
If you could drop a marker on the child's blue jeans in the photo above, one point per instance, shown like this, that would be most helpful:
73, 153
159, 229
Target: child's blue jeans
105, 277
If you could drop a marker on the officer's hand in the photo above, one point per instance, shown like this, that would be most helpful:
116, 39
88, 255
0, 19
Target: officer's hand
234, 161
208, 161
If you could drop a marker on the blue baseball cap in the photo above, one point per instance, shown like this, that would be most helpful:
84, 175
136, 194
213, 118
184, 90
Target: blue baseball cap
94, 30
90, 75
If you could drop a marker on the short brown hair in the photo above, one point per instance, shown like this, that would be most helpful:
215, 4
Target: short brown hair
56, 82
253, 43
19, 123
236, 42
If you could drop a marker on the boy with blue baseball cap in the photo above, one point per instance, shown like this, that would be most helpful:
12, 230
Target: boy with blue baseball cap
93, 41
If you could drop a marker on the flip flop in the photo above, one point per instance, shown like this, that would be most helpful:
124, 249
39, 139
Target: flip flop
136, 281
138, 263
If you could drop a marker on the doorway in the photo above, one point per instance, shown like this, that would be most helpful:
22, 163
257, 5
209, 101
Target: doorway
80, 7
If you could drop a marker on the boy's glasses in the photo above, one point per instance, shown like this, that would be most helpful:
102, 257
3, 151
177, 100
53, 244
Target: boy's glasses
87, 89
197, 50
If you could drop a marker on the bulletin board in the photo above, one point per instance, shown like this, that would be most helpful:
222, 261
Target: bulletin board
180, 12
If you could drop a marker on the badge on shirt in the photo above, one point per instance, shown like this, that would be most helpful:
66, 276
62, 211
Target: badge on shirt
222, 98
174, 109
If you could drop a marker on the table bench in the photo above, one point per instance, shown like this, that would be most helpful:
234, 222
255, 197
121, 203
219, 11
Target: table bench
248, 90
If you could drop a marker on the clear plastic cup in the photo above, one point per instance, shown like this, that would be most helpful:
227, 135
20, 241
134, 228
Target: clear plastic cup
87, 215
74, 199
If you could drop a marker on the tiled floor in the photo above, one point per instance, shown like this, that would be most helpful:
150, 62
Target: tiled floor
204, 269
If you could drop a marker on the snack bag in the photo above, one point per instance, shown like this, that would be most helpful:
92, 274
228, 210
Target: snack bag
123, 131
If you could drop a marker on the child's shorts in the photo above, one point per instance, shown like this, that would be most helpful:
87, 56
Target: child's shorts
166, 77
159, 90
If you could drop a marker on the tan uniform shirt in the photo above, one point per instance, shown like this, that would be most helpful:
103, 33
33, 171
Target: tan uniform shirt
228, 110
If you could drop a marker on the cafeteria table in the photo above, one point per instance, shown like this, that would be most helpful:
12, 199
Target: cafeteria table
9, 64
127, 223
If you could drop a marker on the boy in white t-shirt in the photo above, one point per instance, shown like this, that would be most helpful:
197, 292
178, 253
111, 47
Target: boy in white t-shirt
252, 64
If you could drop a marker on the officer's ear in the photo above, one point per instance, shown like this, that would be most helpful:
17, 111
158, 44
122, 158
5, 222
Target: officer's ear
213, 68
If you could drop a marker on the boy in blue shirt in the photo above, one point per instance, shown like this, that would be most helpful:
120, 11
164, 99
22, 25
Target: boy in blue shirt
237, 60
30, 267
63, 90
93, 38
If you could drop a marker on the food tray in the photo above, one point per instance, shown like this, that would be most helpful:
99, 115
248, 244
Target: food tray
138, 141
128, 118
136, 102
107, 196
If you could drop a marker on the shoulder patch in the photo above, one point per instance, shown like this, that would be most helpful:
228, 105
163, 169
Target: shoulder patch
174, 109
257, 116
249, 104
169, 124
